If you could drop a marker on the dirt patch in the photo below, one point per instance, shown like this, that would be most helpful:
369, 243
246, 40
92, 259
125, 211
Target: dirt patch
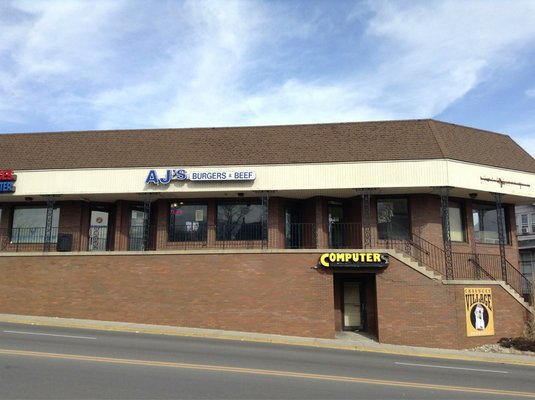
519, 345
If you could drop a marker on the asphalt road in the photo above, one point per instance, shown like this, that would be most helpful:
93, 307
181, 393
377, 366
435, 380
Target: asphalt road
58, 363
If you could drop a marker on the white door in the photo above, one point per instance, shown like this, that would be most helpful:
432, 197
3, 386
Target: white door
352, 315
98, 231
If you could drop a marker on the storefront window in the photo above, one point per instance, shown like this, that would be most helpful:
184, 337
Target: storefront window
456, 223
187, 222
485, 219
239, 221
29, 225
393, 219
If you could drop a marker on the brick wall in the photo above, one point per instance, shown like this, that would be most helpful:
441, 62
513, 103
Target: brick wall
278, 293
415, 310
270, 293
426, 220
70, 221
276, 221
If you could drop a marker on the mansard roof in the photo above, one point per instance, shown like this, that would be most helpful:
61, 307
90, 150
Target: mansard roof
260, 145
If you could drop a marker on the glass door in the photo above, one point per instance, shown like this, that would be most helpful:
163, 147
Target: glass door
292, 228
135, 236
336, 226
352, 306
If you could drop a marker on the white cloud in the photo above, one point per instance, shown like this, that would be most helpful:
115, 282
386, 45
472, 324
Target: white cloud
211, 81
530, 92
296, 102
429, 55
439, 51
63, 38
196, 80
126, 64
48, 49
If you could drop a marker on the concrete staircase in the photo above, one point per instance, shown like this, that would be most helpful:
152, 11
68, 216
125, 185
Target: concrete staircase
431, 274
414, 264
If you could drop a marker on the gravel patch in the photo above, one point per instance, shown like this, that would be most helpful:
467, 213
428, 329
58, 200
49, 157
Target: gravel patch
496, 348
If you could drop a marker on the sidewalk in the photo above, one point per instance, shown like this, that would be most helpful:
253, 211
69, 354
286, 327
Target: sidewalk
344, 340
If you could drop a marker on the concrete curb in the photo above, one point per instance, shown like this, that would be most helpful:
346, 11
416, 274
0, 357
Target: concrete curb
336, 344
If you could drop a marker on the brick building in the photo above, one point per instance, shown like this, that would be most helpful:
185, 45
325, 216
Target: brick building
526, 238
403, 229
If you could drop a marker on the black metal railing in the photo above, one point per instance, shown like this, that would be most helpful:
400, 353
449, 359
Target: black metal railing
519, 282
424, 252
204, 236
27, 239
350, 235
470, 266
136, 238
345, 235
99, 238
473, 266
33, 239
30, 238
300, 236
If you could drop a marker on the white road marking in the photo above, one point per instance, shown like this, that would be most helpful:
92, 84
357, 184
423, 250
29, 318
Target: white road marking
51, 334
445, 367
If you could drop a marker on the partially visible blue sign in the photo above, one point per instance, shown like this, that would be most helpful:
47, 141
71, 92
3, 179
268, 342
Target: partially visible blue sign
7, 180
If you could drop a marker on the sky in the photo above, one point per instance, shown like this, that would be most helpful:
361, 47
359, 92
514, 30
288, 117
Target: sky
124, 64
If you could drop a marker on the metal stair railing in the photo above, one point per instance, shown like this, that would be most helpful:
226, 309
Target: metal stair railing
422, 251
428, 254
473, 266
343, 235
520, 283
469, 266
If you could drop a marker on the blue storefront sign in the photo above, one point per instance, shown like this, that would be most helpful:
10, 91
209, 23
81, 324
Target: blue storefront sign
169, 175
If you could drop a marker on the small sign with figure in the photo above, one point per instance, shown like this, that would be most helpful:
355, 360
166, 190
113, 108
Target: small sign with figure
479, 311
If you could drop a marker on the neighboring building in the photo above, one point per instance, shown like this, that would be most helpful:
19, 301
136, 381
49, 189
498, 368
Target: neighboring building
525, 217
403, 229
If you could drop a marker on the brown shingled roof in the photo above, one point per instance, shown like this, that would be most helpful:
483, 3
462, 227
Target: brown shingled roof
336, 142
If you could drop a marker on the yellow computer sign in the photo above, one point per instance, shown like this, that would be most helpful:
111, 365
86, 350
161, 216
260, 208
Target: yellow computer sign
479, 310
354, 260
